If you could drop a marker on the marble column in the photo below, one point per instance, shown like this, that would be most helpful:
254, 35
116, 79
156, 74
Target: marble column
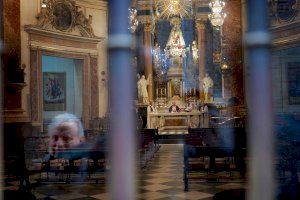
148, 57
200, 25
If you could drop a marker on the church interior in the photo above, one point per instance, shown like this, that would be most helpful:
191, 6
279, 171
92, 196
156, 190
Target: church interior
198, 104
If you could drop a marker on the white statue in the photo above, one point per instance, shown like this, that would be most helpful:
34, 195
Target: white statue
194, 50
142, 89
176, 45
207, 84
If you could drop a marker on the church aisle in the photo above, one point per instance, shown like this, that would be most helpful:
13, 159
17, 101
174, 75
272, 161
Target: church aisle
161, 180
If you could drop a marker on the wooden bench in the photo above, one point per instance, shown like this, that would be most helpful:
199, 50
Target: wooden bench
147, 145
208, 151
86, 159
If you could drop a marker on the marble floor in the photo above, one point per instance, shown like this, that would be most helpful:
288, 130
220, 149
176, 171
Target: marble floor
162, 179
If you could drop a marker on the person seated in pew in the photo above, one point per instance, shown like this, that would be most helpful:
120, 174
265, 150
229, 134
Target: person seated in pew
65, 132
174, 108
67, 143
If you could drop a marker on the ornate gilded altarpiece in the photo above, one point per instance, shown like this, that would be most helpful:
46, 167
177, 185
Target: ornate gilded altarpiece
62, 30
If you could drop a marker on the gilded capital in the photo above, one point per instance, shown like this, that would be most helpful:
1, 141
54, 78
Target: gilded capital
200, 24
147, 26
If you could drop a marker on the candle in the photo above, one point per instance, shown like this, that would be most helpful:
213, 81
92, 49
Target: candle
156, 92
194, 91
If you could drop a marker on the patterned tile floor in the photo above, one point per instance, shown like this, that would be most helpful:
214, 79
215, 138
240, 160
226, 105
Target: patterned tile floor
161, 180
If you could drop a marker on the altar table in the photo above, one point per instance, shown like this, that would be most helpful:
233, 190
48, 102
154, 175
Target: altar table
178, 120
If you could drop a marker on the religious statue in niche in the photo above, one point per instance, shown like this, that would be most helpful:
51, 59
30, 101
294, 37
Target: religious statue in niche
65, 16
176, 45
142, 84
195, 51
207, 87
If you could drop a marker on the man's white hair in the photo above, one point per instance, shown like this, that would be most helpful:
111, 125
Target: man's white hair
62, 118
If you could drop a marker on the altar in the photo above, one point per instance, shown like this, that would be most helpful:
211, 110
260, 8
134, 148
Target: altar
166, 121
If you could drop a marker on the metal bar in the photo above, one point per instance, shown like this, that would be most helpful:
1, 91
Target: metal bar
260, 137
1, 100
122, 146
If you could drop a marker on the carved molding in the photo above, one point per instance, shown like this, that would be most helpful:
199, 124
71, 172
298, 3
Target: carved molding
284, 12
285, 42
64, 16
94, 88
59, 41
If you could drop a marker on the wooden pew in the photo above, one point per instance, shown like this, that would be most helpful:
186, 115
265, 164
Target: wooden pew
208, 151
86, 159
147, 145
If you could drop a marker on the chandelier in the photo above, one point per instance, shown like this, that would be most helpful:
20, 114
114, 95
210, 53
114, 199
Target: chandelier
217, 16
133, 22
171, 8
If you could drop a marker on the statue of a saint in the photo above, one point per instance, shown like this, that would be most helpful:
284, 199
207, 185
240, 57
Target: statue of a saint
207, 85
142, 89
194, 50
176, 43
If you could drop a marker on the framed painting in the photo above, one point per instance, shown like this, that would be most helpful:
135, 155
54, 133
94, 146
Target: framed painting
54, 91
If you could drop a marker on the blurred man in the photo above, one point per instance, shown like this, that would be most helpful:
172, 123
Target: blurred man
65, 132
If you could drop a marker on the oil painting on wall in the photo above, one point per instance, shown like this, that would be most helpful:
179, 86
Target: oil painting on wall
54, 91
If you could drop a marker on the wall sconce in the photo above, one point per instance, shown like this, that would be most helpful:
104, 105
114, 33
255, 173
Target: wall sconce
225, 69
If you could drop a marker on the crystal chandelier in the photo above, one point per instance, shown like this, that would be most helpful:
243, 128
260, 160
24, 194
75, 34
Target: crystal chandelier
217, 16
133, 22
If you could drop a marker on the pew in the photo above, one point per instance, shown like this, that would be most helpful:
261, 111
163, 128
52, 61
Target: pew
73, 164
208, 151
147, 145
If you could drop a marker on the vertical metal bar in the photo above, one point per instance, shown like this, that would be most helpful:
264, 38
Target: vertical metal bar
122, 145
1, 100
261, 172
